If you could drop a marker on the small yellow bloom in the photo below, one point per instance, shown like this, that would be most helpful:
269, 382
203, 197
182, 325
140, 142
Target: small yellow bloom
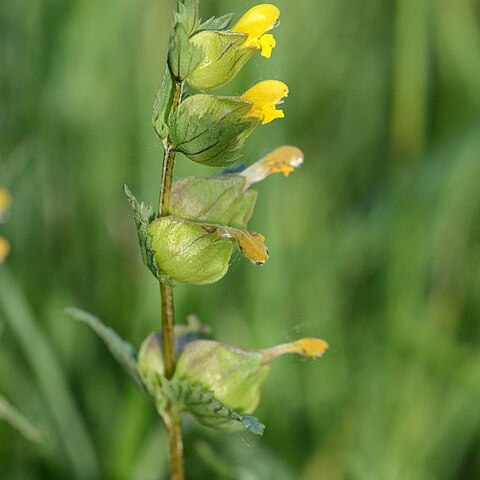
264, 96
4, 249
252, 245
305, 347
5, 202
256, 22
283, 159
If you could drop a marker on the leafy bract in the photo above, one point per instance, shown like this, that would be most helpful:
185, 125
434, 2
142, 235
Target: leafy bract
184, 56
162, 105
208, 410
210, 129
224, 56
218, 200
216, 23
143, 215
121, 350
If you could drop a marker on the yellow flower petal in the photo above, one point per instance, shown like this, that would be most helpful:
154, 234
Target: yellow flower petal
5, 201
306, 347
256, 22
267, 43
264, 96
251, 244
4, 249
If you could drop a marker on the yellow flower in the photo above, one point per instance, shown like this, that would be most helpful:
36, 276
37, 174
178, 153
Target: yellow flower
305, 347
264, 96
5, 202
256, 22
4, 249
283, 159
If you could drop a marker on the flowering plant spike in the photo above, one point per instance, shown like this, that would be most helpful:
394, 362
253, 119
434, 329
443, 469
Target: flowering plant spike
201, 221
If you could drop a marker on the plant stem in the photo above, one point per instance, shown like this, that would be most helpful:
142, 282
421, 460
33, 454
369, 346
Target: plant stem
171, 416
172, 422
168, 333
168, 159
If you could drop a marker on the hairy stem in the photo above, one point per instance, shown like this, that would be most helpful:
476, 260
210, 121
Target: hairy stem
171, 416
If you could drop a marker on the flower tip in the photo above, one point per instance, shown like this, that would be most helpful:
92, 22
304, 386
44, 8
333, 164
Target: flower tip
252, 245
258, 20
309, 347
281, 160
255, 23
305, 347
264, 97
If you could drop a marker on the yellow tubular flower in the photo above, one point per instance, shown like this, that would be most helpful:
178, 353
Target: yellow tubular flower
283, 159
256, 22
264, 96
305, 347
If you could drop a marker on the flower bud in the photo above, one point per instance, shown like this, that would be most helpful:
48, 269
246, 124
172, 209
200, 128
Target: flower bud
189, 253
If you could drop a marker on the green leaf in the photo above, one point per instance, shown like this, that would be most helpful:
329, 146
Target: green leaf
217, 23
219, 200
211, 129
143, 215
16, 420
208, 410
122, 351
49, 378
162, 105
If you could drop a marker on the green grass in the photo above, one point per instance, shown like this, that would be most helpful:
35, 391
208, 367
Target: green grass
375, 242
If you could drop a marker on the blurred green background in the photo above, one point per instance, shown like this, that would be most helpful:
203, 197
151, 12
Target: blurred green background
375, 242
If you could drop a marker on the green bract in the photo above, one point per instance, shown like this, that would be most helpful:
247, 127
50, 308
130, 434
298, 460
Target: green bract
210, 129
222, 59
162, 105
183, 56
220, 199
234, 375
